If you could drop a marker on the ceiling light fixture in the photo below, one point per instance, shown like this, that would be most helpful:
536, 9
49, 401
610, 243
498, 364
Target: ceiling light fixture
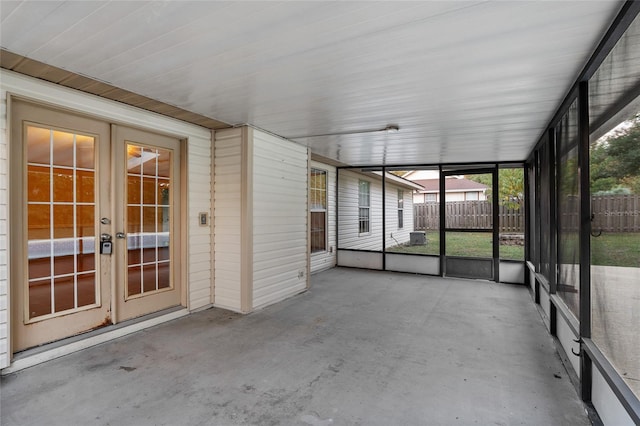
390, 128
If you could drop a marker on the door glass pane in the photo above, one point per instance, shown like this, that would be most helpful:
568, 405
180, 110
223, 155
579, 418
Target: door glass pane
148, 219
134, 280
164, 163
164, 277
63, 151
86, 291
85, 186
38, 187
38, 145
39, 298
63, 183
85, 152
64, 293
61, 221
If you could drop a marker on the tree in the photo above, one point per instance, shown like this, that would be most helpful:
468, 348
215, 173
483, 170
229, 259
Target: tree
615, 159
511, 186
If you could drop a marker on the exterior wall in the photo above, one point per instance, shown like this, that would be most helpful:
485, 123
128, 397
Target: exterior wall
451, 196
454, 196
348, 224
227, 218
280, 228
419, 198
199, 163
348, 227
199, 201
422, 174
4, 242
327, 259
394, 235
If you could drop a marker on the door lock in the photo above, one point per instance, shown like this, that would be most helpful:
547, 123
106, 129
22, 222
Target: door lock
105, 221
106, 245
120, 235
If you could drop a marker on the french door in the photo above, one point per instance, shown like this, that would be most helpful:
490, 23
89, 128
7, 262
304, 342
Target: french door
147, 238
93, 235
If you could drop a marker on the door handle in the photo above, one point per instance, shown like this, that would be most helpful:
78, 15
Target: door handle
120, 235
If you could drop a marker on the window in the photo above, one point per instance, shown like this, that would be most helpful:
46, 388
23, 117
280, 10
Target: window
430, 198
400, 209
364, 202
471, 196
318, 208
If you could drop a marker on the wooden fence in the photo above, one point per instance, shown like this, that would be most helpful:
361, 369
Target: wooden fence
611, 213
615, 213
468, 215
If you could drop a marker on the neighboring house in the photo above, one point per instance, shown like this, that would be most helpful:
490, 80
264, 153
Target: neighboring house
360, 212
456, 189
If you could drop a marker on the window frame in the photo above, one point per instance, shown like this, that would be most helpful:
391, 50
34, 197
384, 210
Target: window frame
474, 197
314, 209
400, 208
364, 221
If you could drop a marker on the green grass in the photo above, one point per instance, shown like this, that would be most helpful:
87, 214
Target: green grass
610, 249
616, 249
469, 244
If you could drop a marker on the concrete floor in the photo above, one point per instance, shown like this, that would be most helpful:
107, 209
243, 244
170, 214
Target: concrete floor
360, 347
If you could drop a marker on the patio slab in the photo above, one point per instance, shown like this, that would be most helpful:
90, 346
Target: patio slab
360, 347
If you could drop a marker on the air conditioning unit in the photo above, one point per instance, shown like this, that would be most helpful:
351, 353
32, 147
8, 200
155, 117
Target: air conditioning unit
417, 238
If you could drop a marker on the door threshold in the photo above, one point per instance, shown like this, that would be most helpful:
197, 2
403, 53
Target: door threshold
50, 351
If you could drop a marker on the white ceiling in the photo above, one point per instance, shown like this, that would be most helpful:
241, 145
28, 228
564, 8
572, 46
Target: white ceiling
464, 81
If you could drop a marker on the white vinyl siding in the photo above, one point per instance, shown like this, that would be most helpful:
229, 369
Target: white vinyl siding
227, 218
454, 196
198, 163
4, 282
199, 181
327, 259
348, 222
280, 243
401, 235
